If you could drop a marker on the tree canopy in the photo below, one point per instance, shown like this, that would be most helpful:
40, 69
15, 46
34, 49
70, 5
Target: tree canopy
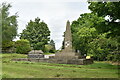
9, 23
97, 33
37, 33
110, 11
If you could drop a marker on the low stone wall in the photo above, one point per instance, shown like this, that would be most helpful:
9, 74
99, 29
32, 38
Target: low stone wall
35, 56
21, 59
73, 61
89, 61
80, 61
76, 61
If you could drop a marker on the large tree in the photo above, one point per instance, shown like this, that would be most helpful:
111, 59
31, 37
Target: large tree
9, 23
111, 13
9, 26
83, 30
37, 33
89, 40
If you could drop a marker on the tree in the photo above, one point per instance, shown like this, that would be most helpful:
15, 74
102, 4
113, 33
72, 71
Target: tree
98, 47
50, 47
83, 31
9, 47
0, 28
110, 10
37, 33
88, 39
82, 38
9, 25
52, 43
106, 8
22, 46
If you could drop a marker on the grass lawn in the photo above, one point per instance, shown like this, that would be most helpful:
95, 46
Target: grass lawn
12, 69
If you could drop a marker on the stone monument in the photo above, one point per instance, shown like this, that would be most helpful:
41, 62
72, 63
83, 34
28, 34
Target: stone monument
36, 54
67, 53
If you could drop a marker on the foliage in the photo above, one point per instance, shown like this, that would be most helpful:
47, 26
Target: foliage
9, 24
83, 31
82, 38
111, 10
106, 8
0, 27
113, 57
52, 43
88, 39
37, 33
22, 46
50, 47
8, 47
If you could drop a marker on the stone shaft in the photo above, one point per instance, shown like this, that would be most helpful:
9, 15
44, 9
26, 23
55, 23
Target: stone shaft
67, 53
68, 38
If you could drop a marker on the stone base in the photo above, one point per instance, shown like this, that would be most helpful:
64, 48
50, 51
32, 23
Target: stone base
73, 61
80, 61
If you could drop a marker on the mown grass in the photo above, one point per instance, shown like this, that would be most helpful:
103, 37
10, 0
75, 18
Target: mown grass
13, 69
48, 53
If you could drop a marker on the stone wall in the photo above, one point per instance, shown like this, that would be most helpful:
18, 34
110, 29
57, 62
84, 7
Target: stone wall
60, 61
35, 56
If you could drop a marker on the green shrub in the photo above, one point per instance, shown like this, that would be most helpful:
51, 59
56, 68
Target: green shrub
49, 49
22, 46
8, 47
113, 57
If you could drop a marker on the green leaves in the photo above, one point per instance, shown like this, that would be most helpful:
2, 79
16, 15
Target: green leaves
110, 10
90, 35
37, 33
22, 46
9, 23
84, 31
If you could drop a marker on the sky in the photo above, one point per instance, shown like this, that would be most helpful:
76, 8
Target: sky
54, 13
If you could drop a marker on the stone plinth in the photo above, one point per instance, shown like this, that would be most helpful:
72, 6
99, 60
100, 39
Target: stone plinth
37, 56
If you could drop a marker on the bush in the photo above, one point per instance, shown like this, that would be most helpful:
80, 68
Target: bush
8, 47
113, 57
22, 46
49, 49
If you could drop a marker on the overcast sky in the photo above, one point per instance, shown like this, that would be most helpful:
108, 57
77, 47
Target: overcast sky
55, 13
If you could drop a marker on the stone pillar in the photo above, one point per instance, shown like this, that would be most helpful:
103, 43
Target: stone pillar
68, 38
67, 53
